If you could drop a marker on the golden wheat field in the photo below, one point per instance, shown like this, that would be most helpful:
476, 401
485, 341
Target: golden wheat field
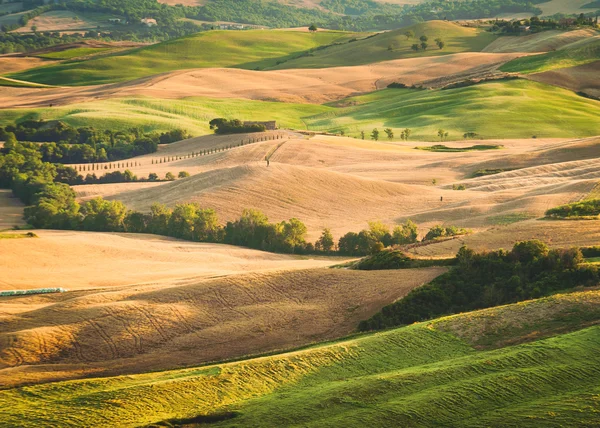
142, 303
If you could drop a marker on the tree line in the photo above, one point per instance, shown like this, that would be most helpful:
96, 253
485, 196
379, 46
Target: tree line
482, 280
66, 144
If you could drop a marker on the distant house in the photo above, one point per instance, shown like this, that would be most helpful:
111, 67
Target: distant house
524, 28
115, 20
150, 22
269, 126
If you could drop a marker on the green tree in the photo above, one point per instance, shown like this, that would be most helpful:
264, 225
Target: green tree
424, 45
442, 134
103, 216
206, 226
152, 176
362, 134
325, 242
313, 28
440, 43
375, 134
169, 176
405, 135
424, 38
390, 133
405, 234
409, 34
183, 174
415, 47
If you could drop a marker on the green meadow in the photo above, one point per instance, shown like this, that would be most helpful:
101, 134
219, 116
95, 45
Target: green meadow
492, 110
250, 49
395, 45
73, 53
467, 370
576, 54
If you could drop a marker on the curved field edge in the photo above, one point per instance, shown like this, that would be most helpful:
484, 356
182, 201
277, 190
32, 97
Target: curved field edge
421, 375
551, 112
252, 49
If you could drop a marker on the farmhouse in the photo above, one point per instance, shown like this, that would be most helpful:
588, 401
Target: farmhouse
150, 22
269, 126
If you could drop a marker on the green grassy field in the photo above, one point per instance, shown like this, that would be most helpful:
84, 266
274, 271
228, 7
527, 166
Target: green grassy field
394, 45
532, 364
73, 53
492, 110
579, 53
240, 49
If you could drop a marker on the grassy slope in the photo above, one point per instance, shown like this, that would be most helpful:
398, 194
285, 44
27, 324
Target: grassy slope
572, 55
375, 49
153, 114
493, 110
72, 53
240, 49
427, 374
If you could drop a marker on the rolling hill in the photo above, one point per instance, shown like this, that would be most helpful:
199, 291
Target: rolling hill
476, 371
393, 45
579, 53
552, 112
240, 49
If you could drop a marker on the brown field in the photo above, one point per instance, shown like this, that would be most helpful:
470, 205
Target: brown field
328, 181
583, 78
545, 41
189, 309
298, 86
556, 233
12, 63
60, 20
11, 211
133, 259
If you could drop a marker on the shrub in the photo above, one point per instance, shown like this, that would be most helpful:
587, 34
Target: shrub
169, 176
588, 208
183, 174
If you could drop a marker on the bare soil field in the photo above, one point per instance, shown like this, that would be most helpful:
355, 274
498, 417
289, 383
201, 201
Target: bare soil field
11, 211
299, 86
173, 323
583, 78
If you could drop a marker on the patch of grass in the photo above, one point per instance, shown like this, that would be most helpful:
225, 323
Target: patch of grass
73, 53
238, 49
396, 259
394, 45
442, 148
485, 172
446, 372
571, 56
510, 218
17, 235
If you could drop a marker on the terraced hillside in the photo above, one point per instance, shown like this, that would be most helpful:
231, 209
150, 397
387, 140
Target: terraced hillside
248, 49
474, 359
